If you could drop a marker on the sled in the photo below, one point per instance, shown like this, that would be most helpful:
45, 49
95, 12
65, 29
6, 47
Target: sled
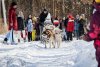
33, 35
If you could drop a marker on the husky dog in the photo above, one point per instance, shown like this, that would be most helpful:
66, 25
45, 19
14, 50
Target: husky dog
58, 37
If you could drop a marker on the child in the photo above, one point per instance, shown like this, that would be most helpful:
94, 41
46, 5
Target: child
94, 33
30, 28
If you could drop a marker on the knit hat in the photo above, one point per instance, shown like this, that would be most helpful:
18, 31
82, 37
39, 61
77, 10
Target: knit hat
71, 17
13, 4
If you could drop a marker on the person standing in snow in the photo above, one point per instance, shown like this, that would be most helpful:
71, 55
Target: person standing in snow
37, 30
63, 29
29, 28
70, 28
76, 27
94, 33
44, 18
20, 20
12, 21
81, 26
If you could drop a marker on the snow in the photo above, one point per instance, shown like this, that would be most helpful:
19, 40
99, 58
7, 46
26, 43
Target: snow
77, 53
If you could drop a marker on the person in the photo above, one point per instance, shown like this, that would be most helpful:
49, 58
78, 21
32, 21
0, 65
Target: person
34, 28
21, 26
70, 28
94, 32
76, 27
12, 22
29, 28
81, 27
37, 30
44, 18
63, 29
56, 22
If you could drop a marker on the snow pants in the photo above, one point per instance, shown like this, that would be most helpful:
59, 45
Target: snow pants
69, 36
77, 34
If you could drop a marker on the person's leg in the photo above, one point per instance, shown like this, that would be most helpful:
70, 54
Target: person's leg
71, 37
65, 37
98, 55
28, 36
16, 35
24, 36
19, 37
77, 35
68, 36
41, 30
7, 37
13, 33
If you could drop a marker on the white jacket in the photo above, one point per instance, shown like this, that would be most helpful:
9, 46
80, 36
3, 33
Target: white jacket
48, 19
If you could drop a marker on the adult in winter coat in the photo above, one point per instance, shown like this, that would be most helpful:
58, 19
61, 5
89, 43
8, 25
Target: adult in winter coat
81, 26
70, 28
12, 20
37, 30
20, 20
94, 33
21, 26
76, 27
44, 18
30, 28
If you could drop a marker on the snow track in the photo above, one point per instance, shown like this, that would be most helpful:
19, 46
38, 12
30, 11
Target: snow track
71, 54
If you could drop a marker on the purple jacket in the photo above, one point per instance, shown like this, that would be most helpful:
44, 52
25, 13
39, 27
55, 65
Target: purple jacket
94, 33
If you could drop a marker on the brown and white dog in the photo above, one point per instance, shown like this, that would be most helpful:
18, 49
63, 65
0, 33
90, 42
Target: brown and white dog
48, 38
52, 36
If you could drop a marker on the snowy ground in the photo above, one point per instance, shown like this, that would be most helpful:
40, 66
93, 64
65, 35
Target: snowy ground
71, 54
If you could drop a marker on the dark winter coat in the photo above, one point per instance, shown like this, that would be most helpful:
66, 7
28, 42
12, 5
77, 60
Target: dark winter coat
76, 23
12, 19
65, 22
20, 23
81, 26
42, 18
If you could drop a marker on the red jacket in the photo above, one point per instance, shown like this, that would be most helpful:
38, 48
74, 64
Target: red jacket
12, 19
70, 26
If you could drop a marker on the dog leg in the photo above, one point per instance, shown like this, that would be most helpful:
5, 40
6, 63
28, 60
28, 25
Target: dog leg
58, 44
45, 44
53, 45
